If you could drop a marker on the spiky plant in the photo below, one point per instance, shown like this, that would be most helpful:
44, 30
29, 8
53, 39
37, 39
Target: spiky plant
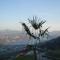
37, 25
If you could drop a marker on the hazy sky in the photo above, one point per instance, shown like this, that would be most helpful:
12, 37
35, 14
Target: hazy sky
13, 11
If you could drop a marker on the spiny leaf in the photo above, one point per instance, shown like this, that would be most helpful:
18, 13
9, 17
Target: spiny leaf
35, 23
41, 23
28, 31
44, 32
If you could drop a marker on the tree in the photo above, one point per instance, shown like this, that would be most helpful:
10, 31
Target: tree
37, 25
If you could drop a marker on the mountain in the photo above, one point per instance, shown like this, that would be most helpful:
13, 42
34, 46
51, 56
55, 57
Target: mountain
52, 44
54, 34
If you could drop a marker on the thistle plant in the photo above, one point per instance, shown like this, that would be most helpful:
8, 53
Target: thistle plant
37, 25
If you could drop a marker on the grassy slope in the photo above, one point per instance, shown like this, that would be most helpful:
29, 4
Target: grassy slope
25, 58
55, 54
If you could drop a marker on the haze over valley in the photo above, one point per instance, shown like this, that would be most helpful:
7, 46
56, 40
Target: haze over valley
17, 37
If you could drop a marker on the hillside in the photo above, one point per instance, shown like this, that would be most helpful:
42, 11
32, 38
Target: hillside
52, 44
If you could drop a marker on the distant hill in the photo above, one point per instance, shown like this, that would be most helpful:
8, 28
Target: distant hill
11, 36
54, 34
52, 44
